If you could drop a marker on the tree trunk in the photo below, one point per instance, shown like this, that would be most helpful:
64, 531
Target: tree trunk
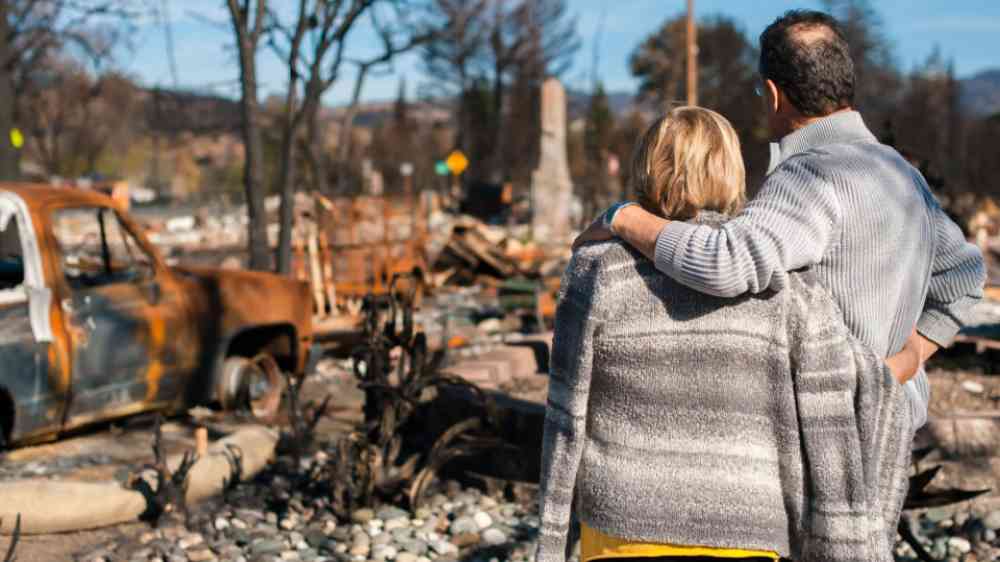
314, 150
286, 185
497, 172
258, 246
9, 156
344, 143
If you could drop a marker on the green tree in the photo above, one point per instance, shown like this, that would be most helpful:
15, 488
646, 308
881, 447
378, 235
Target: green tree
876, 76
727, 70
926, 125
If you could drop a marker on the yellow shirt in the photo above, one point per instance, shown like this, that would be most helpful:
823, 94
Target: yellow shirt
595, 545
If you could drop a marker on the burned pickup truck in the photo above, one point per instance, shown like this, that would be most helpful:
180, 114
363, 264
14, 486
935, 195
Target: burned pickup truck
94, 325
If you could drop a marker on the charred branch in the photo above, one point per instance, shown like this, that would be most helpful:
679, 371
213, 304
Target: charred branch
14, 538
169, 495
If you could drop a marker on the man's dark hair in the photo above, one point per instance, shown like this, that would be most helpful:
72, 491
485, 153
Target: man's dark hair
805, 53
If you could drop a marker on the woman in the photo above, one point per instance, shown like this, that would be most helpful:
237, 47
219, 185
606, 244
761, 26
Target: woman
692, 427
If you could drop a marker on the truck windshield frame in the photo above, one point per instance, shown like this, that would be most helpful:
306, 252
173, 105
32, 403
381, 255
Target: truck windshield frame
97, 248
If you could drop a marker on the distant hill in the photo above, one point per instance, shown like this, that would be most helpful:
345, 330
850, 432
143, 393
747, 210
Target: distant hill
620, 102
372, 113
981, 93
173, 111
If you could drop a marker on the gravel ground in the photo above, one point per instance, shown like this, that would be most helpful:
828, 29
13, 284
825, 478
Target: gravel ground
272, 519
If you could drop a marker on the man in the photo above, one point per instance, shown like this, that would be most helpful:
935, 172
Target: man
835, 200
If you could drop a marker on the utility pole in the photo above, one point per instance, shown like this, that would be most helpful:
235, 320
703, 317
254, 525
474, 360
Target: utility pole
692, 56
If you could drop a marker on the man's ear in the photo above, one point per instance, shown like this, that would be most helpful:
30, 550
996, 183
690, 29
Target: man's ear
774, 98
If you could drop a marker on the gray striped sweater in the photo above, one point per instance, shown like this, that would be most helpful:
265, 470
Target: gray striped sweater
679, 417
865, 221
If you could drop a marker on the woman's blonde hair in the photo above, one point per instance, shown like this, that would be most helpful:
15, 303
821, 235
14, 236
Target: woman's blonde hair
687, 161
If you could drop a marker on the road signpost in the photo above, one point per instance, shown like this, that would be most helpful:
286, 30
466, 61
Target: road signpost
457, 163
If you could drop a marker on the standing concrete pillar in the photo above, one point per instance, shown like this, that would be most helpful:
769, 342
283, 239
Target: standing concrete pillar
551, 187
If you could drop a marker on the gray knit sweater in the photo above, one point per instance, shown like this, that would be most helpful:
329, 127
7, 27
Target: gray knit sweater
679, 417
865, 221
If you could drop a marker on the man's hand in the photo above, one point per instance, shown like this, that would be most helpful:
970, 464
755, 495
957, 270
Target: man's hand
596, 232
908, 362
636, 226
904, 365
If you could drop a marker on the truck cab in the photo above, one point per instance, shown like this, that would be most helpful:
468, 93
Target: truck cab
94, 325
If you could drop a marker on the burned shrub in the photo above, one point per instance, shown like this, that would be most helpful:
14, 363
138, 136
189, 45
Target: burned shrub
169, 497
398, 374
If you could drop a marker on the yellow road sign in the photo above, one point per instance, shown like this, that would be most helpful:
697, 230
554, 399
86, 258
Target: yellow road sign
16, 138
457, 162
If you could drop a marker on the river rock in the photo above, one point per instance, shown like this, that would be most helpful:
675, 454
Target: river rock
266, 546
973, 387
494, 537
416, 546
384, 552
483, 520
189, 541
463, 525
992, 521
381, 539
203, 555
363, 515
397, 523
443, 547
359, 550
959, 544
389, 513
465, 539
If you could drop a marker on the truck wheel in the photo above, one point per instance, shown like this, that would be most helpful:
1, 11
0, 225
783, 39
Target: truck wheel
251, 384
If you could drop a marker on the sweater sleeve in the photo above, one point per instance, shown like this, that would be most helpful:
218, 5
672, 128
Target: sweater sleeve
787, 226
566, 408
957, 278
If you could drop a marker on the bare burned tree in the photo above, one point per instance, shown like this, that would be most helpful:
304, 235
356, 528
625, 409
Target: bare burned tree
71, 121
249, 18
394, 391
490, 49
324, 27
451, 60
391, 47
31, 31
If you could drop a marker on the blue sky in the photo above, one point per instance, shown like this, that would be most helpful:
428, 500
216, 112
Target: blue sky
967, 31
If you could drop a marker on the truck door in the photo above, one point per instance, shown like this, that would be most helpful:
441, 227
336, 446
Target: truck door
31, 402
111, 287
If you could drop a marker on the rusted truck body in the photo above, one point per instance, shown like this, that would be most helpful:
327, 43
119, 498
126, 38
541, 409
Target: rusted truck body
94, 325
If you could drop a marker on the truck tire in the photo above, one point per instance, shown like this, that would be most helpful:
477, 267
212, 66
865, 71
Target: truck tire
251, 384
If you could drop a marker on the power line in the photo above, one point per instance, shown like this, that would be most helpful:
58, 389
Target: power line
596, 56
692, 56
164, 13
